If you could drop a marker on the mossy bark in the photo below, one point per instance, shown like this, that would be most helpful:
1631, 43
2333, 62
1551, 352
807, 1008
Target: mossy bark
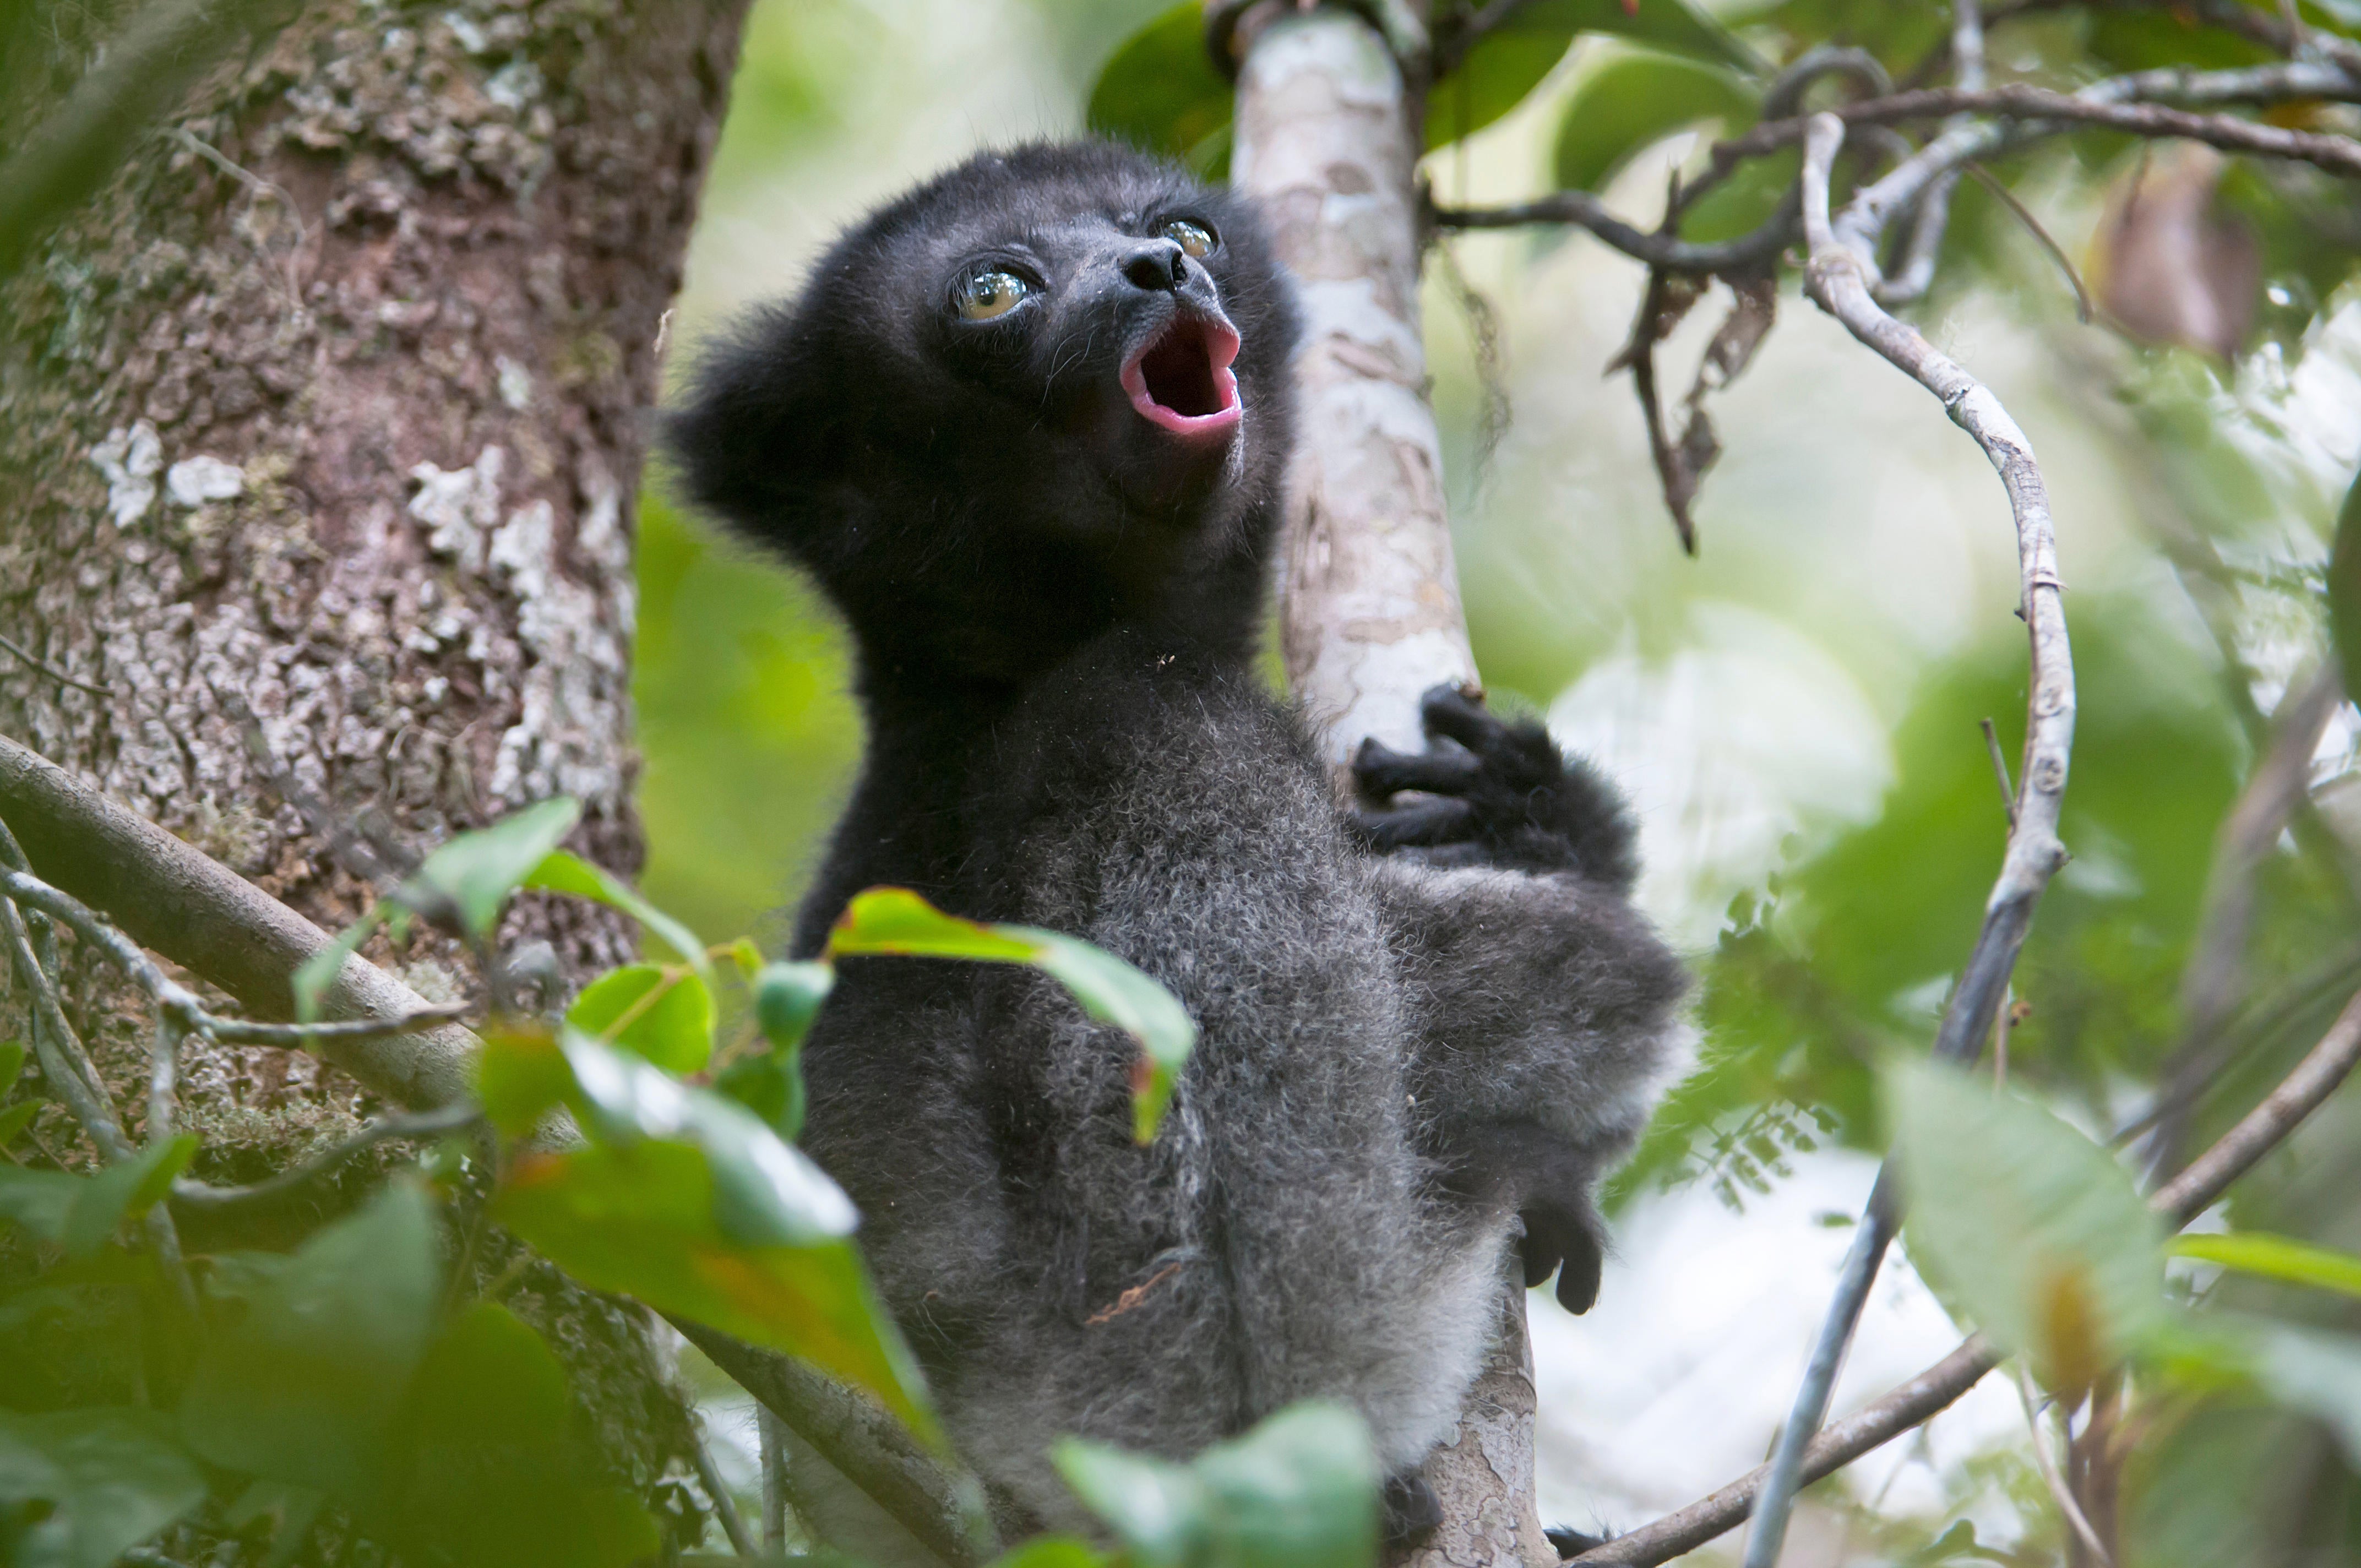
330, 409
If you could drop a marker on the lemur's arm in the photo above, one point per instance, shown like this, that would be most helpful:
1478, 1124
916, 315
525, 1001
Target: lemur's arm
1547, 1008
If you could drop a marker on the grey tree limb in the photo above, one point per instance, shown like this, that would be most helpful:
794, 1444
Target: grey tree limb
2189, 1194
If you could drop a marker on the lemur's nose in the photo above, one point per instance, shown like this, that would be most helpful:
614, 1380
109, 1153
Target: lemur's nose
1156, 264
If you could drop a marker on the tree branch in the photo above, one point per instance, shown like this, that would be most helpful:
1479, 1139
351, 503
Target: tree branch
178, 902
1936, 1388
1837, 276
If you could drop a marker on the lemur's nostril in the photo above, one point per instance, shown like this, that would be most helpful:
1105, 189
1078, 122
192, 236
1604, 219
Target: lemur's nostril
1160, 264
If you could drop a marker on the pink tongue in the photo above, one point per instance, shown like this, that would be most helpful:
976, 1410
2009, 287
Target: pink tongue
1183, 382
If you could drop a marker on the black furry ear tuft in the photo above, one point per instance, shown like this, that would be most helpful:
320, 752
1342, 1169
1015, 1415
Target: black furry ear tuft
744, 438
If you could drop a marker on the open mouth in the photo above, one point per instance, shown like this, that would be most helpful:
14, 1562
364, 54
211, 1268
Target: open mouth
1182, 380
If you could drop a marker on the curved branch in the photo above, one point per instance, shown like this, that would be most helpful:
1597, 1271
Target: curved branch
1837, 278
1661, 251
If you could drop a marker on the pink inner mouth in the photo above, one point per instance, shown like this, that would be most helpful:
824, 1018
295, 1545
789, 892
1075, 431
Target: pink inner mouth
1182, 380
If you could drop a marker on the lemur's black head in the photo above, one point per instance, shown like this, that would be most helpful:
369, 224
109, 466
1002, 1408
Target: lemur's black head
1045, 391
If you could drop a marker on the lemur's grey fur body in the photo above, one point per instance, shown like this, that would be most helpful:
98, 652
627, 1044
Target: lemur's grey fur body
1420, 1023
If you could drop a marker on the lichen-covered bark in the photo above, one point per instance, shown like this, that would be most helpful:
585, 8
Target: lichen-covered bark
330, 409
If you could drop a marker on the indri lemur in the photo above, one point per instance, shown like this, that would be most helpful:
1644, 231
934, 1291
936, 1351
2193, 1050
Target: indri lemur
1027, 426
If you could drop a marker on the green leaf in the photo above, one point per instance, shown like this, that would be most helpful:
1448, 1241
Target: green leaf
490, 1471
2275, 1257
128, 1186
78, 1488
1159, 1510
1674, 27
662, 1012
2311, 1371
1053, 1551
2028, 1223
302, 1385
520, 1076
770, 1084
641, 1219
747, 957
1505, 65
11, 1062
764, 1191
292, 1510
1298, 1491
1634, 101
312, 978
80, 1212
560, 871
787, 997
474, 873
16, 1119
40, 1201
1160, 90
2345, 589
894, 920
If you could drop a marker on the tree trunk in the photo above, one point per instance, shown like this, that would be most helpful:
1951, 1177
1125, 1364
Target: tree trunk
329, 409
1369, 613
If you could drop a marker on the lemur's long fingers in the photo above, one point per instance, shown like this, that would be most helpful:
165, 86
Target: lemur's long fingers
1447, 710
1380, 771
1441, 820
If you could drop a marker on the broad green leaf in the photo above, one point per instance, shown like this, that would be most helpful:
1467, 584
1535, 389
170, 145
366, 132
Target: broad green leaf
1634, 101
40, 1201
2028, 1223
304, 1383
1159, 1510
662, 1012
894, 920
1743, 203
1298, 1491
787, 997
560, 871
641, 1218
78, 1488
312, 980
128, 1186
1505, 65
491, 1473
80, 1212
1160, 90
2345, 589
16, 1119
476, 871
519, 1075
11, 1062
770, 1084
2275, 1257
764, 1191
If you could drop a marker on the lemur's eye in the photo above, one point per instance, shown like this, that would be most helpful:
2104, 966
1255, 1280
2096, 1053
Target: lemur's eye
990, 294
1194, 238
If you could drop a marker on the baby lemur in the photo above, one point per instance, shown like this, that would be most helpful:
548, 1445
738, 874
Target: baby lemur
1027, 426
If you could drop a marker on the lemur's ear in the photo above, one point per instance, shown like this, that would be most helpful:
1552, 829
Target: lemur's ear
746, 436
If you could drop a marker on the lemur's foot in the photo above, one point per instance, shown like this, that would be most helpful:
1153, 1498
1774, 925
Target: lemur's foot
1492, 792
1411, 1510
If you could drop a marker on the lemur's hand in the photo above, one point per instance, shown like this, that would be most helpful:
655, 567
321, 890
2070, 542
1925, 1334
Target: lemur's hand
1496, 793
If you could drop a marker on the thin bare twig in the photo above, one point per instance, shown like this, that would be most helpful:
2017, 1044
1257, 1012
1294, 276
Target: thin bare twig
1667, 251
52, 670
2050, 1476
422, 1124
1940, 1386
2032, 226
725, 1506
1838, 278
